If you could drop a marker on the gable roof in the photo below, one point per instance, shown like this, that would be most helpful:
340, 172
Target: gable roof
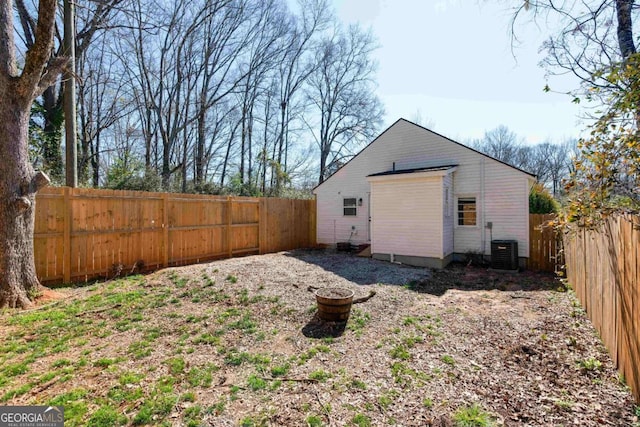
430, 131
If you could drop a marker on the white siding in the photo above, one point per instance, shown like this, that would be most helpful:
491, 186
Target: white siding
333, 226
500, 189
407, 217
503, 208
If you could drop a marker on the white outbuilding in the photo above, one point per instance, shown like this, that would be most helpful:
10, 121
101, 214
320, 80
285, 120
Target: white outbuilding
422, 199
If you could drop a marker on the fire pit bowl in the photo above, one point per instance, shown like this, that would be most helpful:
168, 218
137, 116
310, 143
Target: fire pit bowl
334, 304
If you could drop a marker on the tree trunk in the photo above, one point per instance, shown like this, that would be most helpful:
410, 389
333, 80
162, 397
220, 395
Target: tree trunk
243, 139
18, 181
95, 161
18, 186
201, 135
148, 140
52, 132
323, 166
166, 165
86, 147
625, 30
283, 117
250, 148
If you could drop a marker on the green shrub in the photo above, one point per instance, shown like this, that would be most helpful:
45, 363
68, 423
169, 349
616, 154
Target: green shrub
540, 201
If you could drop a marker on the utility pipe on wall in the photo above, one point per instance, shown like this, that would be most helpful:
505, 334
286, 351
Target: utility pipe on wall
480, 219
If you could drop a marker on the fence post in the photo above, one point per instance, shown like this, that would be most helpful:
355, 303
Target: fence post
66, 265
313, 223
262, 225
165, 229
229, 224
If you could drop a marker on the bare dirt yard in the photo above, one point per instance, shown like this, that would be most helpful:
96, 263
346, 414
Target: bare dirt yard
238, 343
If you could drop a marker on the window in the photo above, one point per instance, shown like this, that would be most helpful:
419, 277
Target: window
349, 206
467, 211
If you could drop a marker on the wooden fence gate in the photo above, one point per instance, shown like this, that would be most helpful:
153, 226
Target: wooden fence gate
545, 246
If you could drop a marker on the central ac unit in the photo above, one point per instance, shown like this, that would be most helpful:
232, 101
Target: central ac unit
504, 254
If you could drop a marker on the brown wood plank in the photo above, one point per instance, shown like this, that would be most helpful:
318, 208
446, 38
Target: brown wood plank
635, 308
627, 310
68, 228
261, 231
229, 208
609, 267
165, 230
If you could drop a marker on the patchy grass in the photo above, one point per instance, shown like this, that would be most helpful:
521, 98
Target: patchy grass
358, 321
280, 370
107, 416
361, 420
314, 421
472, 416
320, 375
449, 360
224, 344
400, 352
590, 364
256, 383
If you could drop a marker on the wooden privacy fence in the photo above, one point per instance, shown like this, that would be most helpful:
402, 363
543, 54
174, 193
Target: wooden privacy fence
85, 233
603, 269
544, 245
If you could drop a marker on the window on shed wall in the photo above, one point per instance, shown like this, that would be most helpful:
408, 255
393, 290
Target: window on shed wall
349, 206
467, 211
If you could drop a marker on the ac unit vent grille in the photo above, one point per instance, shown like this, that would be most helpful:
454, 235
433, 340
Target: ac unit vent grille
504, 254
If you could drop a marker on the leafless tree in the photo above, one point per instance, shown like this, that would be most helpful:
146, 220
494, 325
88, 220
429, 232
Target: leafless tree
101, 104
341, 92
93, 17
549, 161
208, 93
502, 144
595, 41
172, 66
560, 160
224, 39
420, 119
296, 67
591, 37
264, 53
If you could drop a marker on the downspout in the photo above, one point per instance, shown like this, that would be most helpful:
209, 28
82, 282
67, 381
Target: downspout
443, 215
482, 210
334, 232
452, 209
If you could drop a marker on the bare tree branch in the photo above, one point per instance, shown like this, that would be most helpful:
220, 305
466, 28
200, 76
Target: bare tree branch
38, 55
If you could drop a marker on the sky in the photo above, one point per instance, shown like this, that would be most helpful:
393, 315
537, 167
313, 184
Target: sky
452, 63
